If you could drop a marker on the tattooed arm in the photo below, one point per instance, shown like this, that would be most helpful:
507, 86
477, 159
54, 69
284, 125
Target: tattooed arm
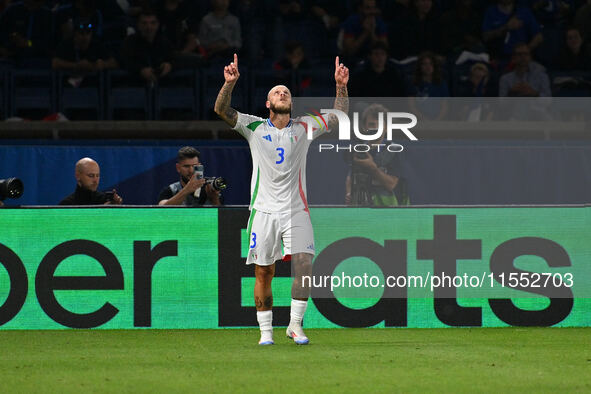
222, 103
341, 102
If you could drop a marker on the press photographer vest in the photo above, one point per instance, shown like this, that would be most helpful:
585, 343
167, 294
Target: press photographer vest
190, 200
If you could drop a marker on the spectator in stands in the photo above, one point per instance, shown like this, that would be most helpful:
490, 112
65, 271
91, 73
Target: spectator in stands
477, 85
88, 173
361, 30
462, 27
177, 25
478, 81
505, 25
67, 15
294, 60
397, 13
377, 78
82, 54
422, 31
426, 85
583, 20
146, 54
528, 79
291, 10
576, 55
330, 12
219, 33
374, 179
551, 13
184, 191
259, 21
26, 31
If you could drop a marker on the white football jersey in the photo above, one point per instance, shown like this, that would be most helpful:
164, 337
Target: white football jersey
278, 182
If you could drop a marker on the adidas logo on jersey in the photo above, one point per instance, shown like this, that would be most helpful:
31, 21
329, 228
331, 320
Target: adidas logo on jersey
268, 137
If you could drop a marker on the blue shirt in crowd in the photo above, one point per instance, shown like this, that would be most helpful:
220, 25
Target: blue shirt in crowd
494, 18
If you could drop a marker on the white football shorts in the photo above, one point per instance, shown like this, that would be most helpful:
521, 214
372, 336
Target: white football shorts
269, 231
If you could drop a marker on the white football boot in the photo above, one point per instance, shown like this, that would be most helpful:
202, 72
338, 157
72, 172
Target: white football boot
266, 338
296, 333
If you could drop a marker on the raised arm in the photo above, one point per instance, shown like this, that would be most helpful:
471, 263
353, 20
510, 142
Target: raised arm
222, 103
341, 102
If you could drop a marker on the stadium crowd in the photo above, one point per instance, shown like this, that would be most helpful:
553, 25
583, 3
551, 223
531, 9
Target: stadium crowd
423, 48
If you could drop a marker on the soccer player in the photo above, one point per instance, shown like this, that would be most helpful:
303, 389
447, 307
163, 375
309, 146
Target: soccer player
279, 209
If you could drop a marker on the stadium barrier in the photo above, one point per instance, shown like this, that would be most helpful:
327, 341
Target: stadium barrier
125, 268
436, 172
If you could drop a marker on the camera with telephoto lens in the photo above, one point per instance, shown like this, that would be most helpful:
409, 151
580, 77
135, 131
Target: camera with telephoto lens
11, 188
218, 183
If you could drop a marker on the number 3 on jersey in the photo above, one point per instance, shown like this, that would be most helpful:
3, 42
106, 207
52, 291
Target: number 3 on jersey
281, 153
254, 240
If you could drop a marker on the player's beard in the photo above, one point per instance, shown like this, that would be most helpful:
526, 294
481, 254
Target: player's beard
185, 180
282, 110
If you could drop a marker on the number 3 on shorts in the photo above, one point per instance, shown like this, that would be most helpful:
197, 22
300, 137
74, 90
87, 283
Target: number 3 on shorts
254, 240
281, 153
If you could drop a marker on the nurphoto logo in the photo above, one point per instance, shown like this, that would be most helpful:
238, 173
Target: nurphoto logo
374, 137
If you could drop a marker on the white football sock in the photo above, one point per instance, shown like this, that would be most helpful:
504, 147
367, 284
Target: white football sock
265, 319
298, 308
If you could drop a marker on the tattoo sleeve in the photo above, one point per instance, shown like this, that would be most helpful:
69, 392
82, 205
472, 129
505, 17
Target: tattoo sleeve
341, 102
222, 105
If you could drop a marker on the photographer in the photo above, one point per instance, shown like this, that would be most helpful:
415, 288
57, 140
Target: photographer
88, 175
192, 190
374, 179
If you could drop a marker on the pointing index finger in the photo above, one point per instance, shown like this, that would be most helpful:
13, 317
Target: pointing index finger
336, 63
236, 60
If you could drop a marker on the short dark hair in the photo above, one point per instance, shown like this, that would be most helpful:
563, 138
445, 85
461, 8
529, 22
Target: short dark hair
187, 152
418, 76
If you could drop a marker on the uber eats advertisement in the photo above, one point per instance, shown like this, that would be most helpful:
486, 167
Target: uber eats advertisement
185, 268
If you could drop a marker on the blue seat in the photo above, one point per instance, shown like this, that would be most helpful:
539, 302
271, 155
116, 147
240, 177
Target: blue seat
121, 95
180, 91
32, 89
90, 98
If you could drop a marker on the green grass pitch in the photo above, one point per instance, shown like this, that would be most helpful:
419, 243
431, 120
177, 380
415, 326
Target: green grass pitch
337, 360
